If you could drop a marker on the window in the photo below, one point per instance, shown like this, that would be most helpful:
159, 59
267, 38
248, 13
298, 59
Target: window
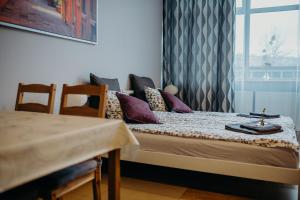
272, 3
267, 58
267, 39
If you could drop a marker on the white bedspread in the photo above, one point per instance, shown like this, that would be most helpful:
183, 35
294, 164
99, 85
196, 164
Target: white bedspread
211, 125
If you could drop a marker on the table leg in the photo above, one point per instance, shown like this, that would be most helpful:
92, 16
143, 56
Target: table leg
114, 178
299, 185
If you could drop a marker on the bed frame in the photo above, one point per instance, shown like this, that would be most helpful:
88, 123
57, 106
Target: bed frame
230, 168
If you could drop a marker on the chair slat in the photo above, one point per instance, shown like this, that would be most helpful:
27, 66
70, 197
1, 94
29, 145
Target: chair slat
80, 111
36, 88
84, 90
35, 107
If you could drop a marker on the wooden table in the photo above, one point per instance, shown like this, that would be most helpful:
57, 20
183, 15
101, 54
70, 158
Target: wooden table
33, 145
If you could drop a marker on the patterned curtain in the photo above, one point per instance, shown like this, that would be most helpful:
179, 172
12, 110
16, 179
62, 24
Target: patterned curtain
198, 52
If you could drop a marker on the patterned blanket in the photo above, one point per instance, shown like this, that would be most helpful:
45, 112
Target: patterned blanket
211, 125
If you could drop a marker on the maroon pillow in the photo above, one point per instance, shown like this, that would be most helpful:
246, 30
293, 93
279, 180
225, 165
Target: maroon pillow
175, 104
136, 110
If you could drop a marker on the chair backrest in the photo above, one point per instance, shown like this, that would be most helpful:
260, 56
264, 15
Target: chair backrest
35, 107
84, 110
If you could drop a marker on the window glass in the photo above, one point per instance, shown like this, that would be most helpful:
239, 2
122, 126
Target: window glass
239, 39
239, 3
272, 3
239, 47
274, 39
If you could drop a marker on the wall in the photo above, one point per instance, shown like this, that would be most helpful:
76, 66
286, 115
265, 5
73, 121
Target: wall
129, 42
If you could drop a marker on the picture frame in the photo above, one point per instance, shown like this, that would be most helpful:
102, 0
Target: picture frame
69, 19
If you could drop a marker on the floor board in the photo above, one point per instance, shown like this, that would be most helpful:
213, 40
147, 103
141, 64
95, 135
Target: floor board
147, 182
136, 189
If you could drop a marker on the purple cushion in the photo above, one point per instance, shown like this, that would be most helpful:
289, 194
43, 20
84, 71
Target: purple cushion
136, 110
175, 104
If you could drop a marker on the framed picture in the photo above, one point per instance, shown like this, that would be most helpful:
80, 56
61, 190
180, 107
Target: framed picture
70, 19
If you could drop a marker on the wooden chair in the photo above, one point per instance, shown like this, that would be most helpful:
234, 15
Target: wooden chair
90, 90
30, 191
35, 107
77, 175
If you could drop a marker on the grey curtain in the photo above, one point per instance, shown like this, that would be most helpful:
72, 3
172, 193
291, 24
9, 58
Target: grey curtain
198, 52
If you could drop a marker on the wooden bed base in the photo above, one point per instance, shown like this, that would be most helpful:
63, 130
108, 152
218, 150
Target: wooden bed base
230, 168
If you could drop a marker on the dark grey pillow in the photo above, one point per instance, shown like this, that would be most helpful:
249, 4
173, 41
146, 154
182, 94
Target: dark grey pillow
138, 85
113, 84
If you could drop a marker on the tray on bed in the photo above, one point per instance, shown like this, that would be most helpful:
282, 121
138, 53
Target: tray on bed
238, 128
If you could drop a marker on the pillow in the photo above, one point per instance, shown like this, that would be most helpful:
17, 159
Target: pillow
136, 110
113, 107
113, 84
138, 85
155, 99
175, 104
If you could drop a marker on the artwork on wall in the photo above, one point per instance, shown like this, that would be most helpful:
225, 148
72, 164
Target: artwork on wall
71, 19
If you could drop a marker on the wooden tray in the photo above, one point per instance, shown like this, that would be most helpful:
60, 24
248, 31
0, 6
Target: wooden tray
237, 128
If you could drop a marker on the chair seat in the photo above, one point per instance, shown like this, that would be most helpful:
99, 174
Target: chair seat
64, 176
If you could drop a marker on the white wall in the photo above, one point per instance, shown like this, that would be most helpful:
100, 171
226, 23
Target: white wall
129, 42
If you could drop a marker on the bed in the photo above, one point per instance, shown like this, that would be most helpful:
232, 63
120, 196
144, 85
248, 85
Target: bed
198, 141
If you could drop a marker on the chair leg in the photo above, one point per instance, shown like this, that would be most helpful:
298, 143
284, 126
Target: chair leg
97, 180
53, 197
95, 190
299, 186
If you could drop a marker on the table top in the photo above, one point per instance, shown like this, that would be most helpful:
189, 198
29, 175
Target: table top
35, 144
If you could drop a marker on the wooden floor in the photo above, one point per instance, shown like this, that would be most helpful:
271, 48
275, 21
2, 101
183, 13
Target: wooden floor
135, 189
148, 182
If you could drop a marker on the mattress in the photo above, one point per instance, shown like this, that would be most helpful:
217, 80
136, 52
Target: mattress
211, 126
217, 149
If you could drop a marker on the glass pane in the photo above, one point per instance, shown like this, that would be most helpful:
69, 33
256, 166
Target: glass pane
272, 79
272, 3
239, 47
274, 43
239, 3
